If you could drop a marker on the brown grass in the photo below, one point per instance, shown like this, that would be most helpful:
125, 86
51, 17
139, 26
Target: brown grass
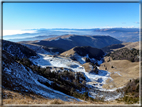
18, 98
127, 70
87, 67
68, 53
129, 45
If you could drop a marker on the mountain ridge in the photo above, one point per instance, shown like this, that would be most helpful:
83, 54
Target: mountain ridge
17, 49
67, 42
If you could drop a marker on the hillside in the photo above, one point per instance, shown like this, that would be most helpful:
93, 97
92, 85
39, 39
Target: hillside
121, 72
55, 76
20, 78
84, 51
81, 73
88, 56
125, 54
123, 65
44, 49
115, 47
17, 50
67, 42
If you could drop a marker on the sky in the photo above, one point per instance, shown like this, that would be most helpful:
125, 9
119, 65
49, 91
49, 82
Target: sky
22, 17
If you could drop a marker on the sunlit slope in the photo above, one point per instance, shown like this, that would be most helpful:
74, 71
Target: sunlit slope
67, 42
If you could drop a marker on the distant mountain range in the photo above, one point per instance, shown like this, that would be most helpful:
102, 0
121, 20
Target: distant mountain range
122, 34
67, 42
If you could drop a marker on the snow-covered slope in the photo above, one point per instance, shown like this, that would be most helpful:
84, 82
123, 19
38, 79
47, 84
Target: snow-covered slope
17, 50
37, 49
85, 54
47, 60
24, 79
94, 81
17, 77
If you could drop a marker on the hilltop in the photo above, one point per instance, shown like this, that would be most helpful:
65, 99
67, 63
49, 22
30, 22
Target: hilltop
67, 42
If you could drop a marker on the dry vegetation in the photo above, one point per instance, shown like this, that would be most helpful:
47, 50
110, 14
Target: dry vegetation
11, 97
68, 53
125, 73
123, 65
125, 54
131, 45
121, 71
131, 92
88, 67
116, 47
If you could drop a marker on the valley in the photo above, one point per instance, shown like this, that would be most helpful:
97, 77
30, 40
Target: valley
71, 69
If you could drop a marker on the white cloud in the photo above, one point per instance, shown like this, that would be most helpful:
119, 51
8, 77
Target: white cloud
13, 32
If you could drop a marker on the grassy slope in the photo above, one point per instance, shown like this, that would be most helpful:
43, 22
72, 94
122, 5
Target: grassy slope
131, 92
115, 47
127, 70
18, 98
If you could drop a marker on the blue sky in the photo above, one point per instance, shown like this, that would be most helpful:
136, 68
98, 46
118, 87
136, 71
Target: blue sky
20, 16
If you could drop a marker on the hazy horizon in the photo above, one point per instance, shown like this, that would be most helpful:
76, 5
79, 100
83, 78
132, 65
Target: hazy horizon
122, 34
21, 22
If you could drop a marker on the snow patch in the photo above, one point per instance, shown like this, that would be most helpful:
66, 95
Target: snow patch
45, 60
30, 80
117, 73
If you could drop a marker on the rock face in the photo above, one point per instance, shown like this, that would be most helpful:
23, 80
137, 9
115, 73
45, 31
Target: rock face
67, 42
